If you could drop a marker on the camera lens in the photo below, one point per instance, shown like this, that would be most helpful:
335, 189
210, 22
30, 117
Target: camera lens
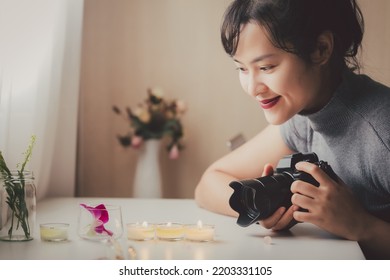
243, 201
257, 199
248, 201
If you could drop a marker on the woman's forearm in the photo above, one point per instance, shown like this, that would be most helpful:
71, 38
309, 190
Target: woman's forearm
213, 192
375, 243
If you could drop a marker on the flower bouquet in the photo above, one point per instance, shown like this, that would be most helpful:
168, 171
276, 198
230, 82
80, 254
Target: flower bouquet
155, 118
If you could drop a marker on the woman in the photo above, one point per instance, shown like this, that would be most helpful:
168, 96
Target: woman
296, 58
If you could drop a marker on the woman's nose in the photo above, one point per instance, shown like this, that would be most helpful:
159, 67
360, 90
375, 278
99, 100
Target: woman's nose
256, 86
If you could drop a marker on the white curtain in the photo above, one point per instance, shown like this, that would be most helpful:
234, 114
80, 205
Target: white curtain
40, 46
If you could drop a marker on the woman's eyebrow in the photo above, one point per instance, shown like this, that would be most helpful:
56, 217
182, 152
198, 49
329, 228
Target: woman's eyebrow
256, 59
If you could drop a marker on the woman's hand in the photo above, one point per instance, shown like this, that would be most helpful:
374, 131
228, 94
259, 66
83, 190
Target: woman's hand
331, 206
281, 219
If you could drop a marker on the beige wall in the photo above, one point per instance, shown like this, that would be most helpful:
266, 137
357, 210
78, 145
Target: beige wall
130, 45
376, 44
40, 54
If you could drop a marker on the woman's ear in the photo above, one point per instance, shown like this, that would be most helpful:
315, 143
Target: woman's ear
324, 48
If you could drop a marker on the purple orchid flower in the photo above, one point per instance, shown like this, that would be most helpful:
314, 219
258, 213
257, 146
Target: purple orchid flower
101, 217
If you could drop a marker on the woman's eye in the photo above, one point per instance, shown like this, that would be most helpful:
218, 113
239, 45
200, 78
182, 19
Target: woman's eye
241, 69
267, 68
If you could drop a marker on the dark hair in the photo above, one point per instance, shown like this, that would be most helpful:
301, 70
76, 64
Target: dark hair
294, 26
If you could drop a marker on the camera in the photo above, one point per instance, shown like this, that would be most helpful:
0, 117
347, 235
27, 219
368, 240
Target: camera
257, 199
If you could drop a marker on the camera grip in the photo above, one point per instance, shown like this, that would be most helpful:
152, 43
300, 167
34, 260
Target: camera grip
328, 170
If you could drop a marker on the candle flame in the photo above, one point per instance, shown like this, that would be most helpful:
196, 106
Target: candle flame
200, 225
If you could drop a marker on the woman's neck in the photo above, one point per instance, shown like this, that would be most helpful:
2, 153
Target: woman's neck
330, 81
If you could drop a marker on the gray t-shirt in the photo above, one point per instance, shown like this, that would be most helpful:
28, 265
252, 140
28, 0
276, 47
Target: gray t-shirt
351, 133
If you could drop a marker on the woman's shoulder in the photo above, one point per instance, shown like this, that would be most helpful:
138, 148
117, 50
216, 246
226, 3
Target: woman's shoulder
362, 85
370, 101
366, 96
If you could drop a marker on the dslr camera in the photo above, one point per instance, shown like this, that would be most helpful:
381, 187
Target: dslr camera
257, 199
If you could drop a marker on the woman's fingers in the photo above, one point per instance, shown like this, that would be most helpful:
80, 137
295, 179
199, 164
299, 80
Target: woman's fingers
285, 220
268, 170
281, 219
271, 221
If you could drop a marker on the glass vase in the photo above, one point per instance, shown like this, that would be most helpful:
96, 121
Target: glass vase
17, 206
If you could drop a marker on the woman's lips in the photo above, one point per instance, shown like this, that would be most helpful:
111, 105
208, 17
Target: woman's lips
269, 103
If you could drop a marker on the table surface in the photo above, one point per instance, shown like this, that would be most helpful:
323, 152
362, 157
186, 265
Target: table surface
232, 242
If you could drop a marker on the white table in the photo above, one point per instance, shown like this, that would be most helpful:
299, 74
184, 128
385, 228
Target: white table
232, 242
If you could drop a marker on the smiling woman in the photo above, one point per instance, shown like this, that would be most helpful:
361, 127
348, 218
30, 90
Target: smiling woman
298, 59
268, 73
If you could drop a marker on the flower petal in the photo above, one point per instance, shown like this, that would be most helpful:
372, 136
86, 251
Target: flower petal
103, 213
100, 214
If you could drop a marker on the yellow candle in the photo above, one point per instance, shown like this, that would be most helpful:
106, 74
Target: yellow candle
54, 232
140, 232
199, 232
170, 231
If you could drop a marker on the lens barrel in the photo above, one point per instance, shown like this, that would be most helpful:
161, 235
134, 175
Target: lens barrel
256, 199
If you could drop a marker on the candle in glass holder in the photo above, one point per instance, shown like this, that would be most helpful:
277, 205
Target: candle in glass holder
54, 232
140, 232
199, 232
170, 231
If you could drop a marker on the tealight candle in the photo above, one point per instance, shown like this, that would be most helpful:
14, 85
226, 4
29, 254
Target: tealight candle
199, 232
54, 232
140, 232
170, 231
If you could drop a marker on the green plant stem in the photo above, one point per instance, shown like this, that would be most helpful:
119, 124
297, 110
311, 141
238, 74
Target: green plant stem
15, 188
17, 203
